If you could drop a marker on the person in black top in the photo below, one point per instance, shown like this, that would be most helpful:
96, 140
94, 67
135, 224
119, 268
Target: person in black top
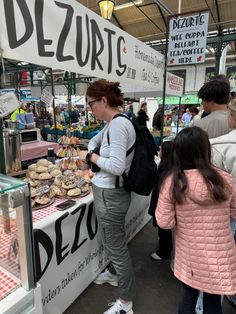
165, 236
156, 122
142, 116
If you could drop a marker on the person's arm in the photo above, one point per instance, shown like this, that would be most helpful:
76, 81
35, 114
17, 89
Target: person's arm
165, 211
217, 158
233, 204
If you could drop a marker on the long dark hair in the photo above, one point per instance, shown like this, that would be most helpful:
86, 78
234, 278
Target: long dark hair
192, 150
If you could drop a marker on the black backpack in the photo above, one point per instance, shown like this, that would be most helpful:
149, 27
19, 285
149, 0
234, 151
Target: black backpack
143, 170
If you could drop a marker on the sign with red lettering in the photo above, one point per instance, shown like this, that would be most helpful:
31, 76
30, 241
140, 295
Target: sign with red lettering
187, 38
174, 85
65, 35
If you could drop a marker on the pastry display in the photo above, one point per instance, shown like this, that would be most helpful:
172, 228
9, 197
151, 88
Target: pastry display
53, 167
40, 169
33, 183
33, 175
32, 202
43, 199
48, 181
74, 192
33, 192
56, 190
88, 174
68, 185
44, 176
55, 172
32, 167
43, 162
58, 180
69, 164
65, 140
85, 188
68, 152
68, 182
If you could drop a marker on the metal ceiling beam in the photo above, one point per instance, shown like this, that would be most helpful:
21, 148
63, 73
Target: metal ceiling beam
162, 15
147, 17
115, 18
164, 7
218, 17
217, 25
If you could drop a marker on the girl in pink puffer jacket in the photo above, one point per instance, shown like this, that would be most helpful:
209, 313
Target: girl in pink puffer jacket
199, 200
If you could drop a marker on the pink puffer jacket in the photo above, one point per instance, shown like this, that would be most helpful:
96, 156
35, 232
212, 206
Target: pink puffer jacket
205, 252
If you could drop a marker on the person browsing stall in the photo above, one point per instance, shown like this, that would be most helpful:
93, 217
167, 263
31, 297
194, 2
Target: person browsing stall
215, 98
142, 115
111, 201
199, 200
224, 157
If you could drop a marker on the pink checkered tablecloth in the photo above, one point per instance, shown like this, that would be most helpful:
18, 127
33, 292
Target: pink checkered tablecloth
8, 260
37, 149
40, 214
7, 284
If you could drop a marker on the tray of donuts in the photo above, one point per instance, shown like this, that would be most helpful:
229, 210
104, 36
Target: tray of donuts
70, 186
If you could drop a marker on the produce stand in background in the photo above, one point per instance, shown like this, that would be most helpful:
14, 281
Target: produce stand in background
85, 132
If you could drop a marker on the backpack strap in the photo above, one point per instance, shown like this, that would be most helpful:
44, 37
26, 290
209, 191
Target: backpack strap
129, 151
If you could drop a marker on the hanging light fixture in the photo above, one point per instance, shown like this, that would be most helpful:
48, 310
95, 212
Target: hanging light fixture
106, 8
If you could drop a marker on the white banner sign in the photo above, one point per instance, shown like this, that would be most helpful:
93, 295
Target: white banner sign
8, 104
187, 38
46, 97
65, 35
174, 85
69, 251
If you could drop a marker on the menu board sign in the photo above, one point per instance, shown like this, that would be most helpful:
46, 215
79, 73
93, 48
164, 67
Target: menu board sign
187, 38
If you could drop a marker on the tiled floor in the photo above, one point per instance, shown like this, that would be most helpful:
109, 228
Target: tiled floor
157, 289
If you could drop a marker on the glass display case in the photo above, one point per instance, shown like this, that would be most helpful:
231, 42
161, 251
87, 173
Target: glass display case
16, 239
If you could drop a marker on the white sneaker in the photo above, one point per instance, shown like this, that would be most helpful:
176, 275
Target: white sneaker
106, 277
156, 257
120, 308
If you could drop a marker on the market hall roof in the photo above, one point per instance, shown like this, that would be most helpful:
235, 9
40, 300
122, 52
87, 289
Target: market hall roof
146, 20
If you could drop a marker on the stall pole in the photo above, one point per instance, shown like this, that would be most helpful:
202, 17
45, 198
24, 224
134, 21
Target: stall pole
177, 129
2, 159
164, 96
53, 103
69, 97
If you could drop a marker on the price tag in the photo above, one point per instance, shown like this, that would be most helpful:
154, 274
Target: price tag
80, 182
42, 190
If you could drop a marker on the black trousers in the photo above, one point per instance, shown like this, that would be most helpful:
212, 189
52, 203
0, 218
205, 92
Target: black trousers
165, 243
211, 302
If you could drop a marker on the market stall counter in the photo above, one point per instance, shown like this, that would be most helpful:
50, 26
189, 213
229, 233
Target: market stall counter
18, 290
37, 149
69, 251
